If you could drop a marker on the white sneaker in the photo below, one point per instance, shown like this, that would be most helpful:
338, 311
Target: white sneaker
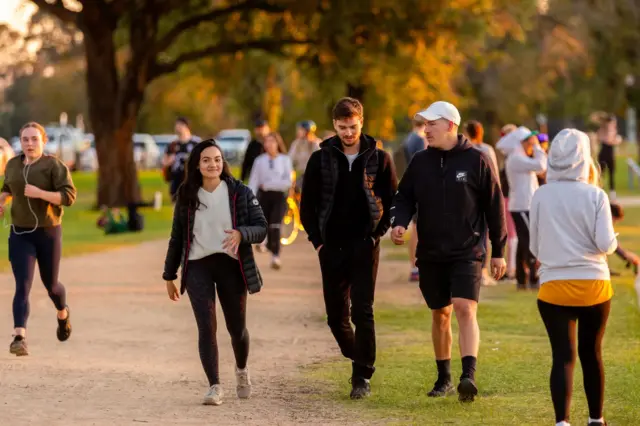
213, 396
244, 383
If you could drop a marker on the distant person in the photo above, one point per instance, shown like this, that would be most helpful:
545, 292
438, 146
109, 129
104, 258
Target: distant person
255, 148
39, 185
345, 210
175, 157
305, 144
543, 138
216, 219
6, 154
270, 180
571, 235
512, 236
415, 142
609, 139
456, 193
525, 160
475, 132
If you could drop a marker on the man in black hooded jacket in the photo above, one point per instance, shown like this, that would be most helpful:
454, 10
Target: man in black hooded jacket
346, 197
457, 193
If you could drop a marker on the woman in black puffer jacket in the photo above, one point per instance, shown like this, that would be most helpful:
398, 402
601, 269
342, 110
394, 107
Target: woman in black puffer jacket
215, 222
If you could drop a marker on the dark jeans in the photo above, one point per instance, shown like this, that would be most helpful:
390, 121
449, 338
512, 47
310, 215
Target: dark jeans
525, 260
222, 272
273, 205
560, 322
349, 277
45, 246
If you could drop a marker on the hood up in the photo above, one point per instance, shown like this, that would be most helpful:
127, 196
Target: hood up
569, 157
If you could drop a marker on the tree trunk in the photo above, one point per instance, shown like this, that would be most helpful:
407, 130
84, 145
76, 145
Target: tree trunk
113, 117
356, 91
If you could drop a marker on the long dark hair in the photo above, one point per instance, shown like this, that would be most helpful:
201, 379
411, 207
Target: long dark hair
188, 191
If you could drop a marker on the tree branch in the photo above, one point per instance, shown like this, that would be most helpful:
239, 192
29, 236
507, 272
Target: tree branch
57, 9
178, 29
266, 44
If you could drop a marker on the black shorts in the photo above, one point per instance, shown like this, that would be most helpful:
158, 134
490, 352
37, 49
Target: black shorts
441, 281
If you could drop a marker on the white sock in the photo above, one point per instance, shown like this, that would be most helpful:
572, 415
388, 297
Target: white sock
563, 423
600, 420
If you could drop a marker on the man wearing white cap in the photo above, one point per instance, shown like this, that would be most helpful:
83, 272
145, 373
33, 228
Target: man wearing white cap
457, 194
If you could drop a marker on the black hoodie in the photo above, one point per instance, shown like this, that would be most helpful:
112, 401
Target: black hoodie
342, 203
457, 194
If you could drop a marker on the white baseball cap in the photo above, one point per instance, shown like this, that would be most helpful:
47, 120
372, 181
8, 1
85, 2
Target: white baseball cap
438, 110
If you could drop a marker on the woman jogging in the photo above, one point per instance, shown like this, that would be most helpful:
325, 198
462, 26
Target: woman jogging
270, 179
39, 185
215, 221
608, 138
571, 235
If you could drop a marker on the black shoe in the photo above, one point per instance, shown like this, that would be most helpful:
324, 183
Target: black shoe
360, 388
64, 327
441, 388
467, 390
19, 346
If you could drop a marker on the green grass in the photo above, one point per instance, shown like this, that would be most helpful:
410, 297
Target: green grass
80, 233
514, 361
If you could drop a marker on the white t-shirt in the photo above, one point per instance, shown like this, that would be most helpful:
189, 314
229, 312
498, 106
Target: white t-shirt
351, 158
213, 217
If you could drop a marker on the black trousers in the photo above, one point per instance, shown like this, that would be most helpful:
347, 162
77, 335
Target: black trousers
525, 260
45, 246
222, 273
349, 272
560, 322
273, 205
607, 161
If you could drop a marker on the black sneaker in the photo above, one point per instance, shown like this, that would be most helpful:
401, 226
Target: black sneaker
467, 390
19, 346
64, 327
360, 388
441, 388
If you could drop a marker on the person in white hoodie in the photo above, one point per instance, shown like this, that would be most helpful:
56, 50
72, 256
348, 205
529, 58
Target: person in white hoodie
571, 235
270, 180
525, 160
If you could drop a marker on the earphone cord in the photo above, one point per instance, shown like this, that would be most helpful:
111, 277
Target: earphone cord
25, 173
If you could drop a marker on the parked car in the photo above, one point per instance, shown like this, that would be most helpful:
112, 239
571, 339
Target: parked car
146, 153
234, 143
67, 143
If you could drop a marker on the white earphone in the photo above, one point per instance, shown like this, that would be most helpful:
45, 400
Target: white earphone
25, 173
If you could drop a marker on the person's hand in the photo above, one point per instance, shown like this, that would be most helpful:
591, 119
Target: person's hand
633, 259
397, 235
319, 248
232, 242
173, 292
498, 268
31, 191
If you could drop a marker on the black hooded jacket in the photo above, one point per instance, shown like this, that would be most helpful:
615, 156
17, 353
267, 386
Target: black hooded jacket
457, 195
342, 203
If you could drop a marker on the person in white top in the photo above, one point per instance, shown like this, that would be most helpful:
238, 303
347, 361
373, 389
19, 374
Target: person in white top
571, 235
215, 221
270, 180
306, 143
525, 160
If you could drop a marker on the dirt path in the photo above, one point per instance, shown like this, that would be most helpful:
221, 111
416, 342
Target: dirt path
133, 358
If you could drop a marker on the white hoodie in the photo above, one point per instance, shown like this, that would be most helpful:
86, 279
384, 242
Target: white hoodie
570, 220
521, 169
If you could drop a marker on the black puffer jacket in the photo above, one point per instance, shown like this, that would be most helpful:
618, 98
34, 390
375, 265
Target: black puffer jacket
247, 217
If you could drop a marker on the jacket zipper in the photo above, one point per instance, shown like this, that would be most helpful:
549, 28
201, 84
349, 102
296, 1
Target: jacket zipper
244, 278
444, 183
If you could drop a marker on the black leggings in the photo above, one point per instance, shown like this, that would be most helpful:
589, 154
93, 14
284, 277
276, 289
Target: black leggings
525, 260
222, 272
273, 205
560, 322
45, 246
607, 161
